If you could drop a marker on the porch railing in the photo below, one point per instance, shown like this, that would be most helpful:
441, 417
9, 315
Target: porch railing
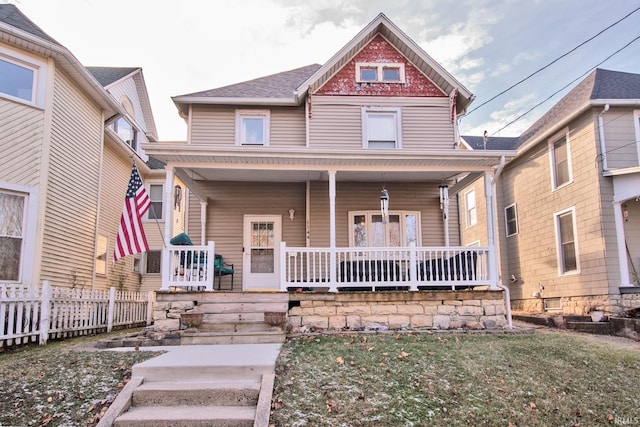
188, 267
411, 268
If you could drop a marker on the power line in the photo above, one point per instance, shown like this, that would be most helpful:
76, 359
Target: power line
565, 86
554, 61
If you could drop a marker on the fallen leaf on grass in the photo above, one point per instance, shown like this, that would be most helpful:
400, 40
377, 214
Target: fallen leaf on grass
339, 360
402, 355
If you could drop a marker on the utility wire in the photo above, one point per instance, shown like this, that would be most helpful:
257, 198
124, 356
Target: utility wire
554, 61
565, 86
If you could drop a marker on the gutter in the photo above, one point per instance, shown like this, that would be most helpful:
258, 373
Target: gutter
603, 145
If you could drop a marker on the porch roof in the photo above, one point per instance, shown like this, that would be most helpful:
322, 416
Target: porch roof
249, 163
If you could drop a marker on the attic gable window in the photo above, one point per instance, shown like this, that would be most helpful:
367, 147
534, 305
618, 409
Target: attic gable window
379, 72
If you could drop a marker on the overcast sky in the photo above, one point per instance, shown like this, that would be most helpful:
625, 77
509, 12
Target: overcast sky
193, 45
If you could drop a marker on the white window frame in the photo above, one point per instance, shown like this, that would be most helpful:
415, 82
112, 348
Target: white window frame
265, 115
379, 67
134, 133
395, 111
552, 160
515, 219
559, 252
39, 69
636, 120
369, 214
160, 214
471, 219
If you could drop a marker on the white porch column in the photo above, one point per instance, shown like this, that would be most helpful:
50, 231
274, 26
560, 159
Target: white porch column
203, 222
622, 247
167, 203
491, 231
333, 268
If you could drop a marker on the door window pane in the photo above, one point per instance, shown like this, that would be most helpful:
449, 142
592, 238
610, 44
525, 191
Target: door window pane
262, 261
393, 228
262, 247
411, 229
359, 231
377, 231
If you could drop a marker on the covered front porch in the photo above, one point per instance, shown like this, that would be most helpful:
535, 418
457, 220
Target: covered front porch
292, 220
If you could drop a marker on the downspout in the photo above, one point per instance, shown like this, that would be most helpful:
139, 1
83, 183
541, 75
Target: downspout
507, 292
603, 145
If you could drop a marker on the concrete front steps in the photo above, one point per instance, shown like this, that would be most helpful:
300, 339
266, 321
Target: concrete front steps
195, 386
237, 318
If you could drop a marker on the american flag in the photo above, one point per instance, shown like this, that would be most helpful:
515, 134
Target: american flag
131, 238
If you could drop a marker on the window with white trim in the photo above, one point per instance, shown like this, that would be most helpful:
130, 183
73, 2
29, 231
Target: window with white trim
126, 132
13, 207
381, 127
23, 77
252, 127
156, 209
377, 72
560, 156
567, 241
369, 229
511, 220
471, 212
102, 243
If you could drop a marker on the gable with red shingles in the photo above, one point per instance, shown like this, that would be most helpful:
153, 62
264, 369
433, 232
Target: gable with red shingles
379, 50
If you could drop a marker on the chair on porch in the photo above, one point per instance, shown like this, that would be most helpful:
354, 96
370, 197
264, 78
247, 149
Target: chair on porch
221, 268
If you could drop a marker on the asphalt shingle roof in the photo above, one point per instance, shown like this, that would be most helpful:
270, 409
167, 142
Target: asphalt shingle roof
493, 142
108, 75
11, 15
280, 85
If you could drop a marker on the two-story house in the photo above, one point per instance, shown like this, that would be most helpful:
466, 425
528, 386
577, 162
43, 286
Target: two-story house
68, 136
569, 233
335, 176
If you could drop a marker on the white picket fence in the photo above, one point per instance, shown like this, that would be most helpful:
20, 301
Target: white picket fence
30, 314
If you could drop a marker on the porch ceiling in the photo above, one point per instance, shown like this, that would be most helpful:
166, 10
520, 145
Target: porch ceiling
267, 164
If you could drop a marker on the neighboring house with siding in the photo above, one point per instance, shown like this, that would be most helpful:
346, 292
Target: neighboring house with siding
286, 171
65, 160
568, 209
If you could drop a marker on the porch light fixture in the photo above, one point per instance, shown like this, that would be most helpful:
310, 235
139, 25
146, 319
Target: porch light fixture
384, 203
292, 213
625, 212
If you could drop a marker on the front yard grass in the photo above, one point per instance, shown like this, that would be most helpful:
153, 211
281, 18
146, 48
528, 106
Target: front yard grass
56, 385
542, 379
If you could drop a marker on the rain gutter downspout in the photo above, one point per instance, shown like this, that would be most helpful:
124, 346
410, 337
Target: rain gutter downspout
507, 293
603, 145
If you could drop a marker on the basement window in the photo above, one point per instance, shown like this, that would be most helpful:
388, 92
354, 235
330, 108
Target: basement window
552, 304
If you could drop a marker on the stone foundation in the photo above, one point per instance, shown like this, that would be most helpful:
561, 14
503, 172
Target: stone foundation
612, 305
397, 310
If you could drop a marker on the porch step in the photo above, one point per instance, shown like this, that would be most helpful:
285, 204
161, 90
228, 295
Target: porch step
211, 338
187, 416
239, 326
180, 393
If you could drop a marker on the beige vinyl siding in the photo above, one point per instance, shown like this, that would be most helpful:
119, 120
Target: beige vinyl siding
288, 127
532, 254
620, 138
230, 201
336, 123
477, 232
213, 126
335, 127
350, 196
72, 190
21, 133
216, 126
427, 128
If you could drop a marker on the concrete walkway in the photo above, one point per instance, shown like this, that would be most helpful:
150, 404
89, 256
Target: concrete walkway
186, 364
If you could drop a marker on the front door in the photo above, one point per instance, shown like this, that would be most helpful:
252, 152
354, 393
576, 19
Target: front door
261, 241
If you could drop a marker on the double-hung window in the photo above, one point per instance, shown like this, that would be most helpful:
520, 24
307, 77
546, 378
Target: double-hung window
155, 194
252, 127
381, 127
125, 130
470, 207
102, 244
152, 262
560, 155
511, 220
12, 226
567, 243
